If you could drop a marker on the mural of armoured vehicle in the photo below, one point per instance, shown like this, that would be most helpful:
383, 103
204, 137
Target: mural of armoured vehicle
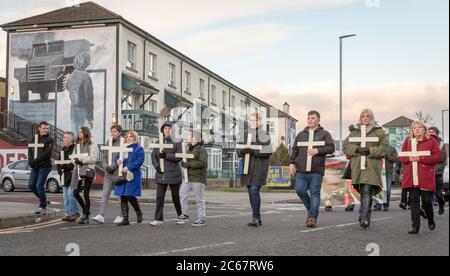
46, 70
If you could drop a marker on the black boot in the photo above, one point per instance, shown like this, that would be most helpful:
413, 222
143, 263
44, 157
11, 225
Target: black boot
431, 224
414, 230
134, 202
441, 209
125, 212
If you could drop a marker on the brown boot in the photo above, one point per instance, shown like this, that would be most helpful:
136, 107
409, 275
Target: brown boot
308, 217
74, 218
66, 219
312, 222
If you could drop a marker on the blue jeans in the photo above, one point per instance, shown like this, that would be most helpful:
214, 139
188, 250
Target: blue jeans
389, 179
255, 201
70, 203
36, 184
313, 183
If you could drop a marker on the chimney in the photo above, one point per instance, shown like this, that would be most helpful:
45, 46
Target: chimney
286, 108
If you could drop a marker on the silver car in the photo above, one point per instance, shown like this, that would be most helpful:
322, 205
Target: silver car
16, 175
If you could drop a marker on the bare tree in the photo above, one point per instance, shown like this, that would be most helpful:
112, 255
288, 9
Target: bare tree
425, 118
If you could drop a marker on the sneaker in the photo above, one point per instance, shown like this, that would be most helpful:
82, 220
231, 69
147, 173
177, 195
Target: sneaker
83, 220
99, 219
156, 223
199, 223
182, 219
377, 208
328, 208
118, 220
41, 211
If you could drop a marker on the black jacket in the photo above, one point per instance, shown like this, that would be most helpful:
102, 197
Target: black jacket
66, 169
260, 161
440, 168
299, 154
172, 172
391, 159
44, 158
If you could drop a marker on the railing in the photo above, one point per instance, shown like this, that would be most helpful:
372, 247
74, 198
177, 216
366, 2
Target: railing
141, 121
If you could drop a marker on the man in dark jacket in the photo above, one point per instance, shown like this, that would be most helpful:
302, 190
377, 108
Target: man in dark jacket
197, 170
41, 165
171, 177
70, 203
311, 178
434, 131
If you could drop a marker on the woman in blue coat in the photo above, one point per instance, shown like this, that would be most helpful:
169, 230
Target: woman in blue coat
132, 169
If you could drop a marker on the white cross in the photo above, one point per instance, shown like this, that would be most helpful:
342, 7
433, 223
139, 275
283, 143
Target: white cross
185, 157
110, 149
414, 153
36, 146
122, 150
364, 140
78, 155
310, 144
63, 161
248, 146
161, 146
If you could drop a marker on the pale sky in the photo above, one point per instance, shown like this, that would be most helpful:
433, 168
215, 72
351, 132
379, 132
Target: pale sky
287, 50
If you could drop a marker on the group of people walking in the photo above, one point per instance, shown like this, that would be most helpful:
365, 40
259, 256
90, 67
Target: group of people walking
366, 147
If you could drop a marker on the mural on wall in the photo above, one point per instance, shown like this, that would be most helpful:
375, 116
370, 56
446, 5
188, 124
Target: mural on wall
64, 77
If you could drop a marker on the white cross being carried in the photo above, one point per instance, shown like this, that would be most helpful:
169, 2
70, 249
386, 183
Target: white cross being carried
415, 153
122, 150
161, 146
248, 146
310, 144
63, 161
36, 146
364, 140
78, 155
185, 157
110, 149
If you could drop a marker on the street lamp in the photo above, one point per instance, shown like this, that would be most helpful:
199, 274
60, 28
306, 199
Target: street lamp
340, 91
443, 125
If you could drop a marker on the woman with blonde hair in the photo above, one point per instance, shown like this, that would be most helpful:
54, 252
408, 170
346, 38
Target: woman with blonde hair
426, 187
367, 181
131, 188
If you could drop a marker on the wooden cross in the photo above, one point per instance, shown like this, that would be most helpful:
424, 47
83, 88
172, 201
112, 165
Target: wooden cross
36, 146
414, 153
310, 144
185, 157
364, 140
63, 161
248, 146
78, 155
122, 149
161, 146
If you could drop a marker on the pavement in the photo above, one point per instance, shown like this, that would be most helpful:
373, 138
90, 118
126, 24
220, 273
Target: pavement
283, 232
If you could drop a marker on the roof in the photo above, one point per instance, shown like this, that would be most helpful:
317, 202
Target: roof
88, 11
282, 114
401, 121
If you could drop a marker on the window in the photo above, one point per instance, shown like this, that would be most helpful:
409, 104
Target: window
272, 128
187, 82
172, 75
131, 63
224, 99
233, 103
21, 166
153, 107
202, 89
152, 66
213, 95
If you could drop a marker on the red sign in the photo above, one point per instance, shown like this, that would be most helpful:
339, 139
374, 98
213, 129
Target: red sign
10, 153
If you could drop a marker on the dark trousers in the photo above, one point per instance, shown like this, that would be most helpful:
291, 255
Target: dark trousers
85, 187
161, 190
365, 210
36, 184
427, 204
255, 201
124, 200
405, 199
439, 188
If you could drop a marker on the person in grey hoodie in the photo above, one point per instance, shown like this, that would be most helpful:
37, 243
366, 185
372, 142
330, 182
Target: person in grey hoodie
440, 168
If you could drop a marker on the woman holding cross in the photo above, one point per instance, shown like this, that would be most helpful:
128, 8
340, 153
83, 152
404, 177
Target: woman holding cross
258, 164
420, 154
84, 157
367, 145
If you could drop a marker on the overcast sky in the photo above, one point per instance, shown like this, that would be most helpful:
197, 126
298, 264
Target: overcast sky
287, 50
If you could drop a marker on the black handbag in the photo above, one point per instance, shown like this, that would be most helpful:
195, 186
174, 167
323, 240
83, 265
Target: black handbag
348, 172
120, 180
88, 174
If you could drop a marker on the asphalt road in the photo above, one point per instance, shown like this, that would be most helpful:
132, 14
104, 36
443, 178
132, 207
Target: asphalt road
284, 233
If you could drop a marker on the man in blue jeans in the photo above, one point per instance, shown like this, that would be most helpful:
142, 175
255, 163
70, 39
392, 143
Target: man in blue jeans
310, 179
41, 165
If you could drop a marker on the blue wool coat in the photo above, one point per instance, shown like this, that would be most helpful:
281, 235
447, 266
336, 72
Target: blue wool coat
134, 162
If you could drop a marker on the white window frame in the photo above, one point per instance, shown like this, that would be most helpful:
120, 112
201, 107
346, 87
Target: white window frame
187, 82
131, 55
213, 94
172, 74
202, 89
152, 60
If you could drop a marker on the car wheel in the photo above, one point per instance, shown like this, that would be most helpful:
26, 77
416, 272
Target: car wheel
8, 185
53, 186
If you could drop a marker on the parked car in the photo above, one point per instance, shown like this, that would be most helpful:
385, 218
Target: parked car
446, 184
16, 175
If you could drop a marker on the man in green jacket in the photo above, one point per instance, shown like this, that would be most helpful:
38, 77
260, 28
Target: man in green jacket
197, 168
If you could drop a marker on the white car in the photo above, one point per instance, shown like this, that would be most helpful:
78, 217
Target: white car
16, 175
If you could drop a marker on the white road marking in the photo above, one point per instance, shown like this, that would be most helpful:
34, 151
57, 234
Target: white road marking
190, 249
341, 225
